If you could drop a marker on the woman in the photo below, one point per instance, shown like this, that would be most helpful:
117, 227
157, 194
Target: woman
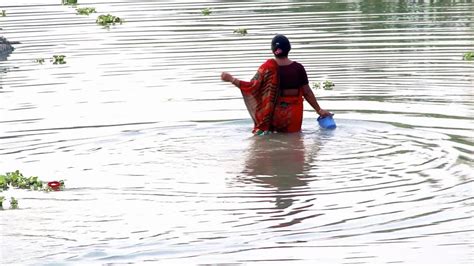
274, 96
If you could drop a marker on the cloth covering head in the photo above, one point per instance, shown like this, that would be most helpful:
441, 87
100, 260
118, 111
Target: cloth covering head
280, 46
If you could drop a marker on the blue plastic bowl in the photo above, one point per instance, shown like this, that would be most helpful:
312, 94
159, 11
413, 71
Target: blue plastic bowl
327, 122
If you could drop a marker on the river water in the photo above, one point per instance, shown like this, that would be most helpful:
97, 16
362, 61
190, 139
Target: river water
157, 155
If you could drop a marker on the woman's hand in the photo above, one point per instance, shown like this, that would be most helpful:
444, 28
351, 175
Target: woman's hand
324, 113
227, 77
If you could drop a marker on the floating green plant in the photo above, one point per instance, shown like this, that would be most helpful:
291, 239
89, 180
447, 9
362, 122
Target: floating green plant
326, 85
468, 56
241, 31
4, 13
13, 203
59, 59
18, 180
69, 2
206, 11
39, 60
106, 20
4, 183
85, 10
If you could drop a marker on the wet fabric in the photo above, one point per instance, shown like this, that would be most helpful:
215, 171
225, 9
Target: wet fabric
269, 110
288, 114
260, 95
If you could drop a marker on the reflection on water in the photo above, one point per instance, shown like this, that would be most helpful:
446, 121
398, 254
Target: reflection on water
280, 161
159, 162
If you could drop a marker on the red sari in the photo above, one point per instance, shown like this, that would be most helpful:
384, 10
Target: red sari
270, 111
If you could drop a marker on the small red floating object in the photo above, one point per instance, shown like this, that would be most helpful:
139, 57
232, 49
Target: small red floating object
54, 185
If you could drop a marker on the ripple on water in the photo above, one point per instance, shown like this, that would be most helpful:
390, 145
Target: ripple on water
236, 193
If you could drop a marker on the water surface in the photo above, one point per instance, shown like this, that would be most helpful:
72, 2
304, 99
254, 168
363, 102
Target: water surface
159, 161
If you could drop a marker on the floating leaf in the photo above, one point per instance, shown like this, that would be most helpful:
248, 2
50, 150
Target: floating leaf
468, 56
326, 85
85, 10
2, 199
206, 11
106, 20
69, 2
13, 203
241, 31
4, 13
59, 59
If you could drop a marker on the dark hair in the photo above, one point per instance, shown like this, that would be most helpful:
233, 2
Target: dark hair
280, 46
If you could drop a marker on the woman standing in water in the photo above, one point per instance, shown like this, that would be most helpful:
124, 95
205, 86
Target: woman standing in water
274, 96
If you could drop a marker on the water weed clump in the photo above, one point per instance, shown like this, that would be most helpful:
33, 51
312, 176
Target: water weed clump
85, 10
18, 180
468, 56
39, 60
107, 20
326, 85
206, 11
241, 31
69, 2
4, 13
58, 59
2, 199
13, 203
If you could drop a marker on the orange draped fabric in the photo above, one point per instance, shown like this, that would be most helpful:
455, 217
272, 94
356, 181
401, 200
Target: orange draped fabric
288, 114
269, 111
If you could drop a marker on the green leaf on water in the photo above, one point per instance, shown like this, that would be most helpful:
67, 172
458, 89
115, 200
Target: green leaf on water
69, 2
59, 59
85, 10
241, 31
13, 203
326, 85
3, 182
206, 11
106, 20
4, 13
2, 199
468, 56
39, 60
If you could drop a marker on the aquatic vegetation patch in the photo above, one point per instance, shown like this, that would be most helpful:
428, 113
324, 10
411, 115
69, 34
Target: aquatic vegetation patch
4, 13
18, 180
85, 10
106, 20
69, 2
326, 85
13, 203
241, 31
468, 56
58, 59
206, 11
